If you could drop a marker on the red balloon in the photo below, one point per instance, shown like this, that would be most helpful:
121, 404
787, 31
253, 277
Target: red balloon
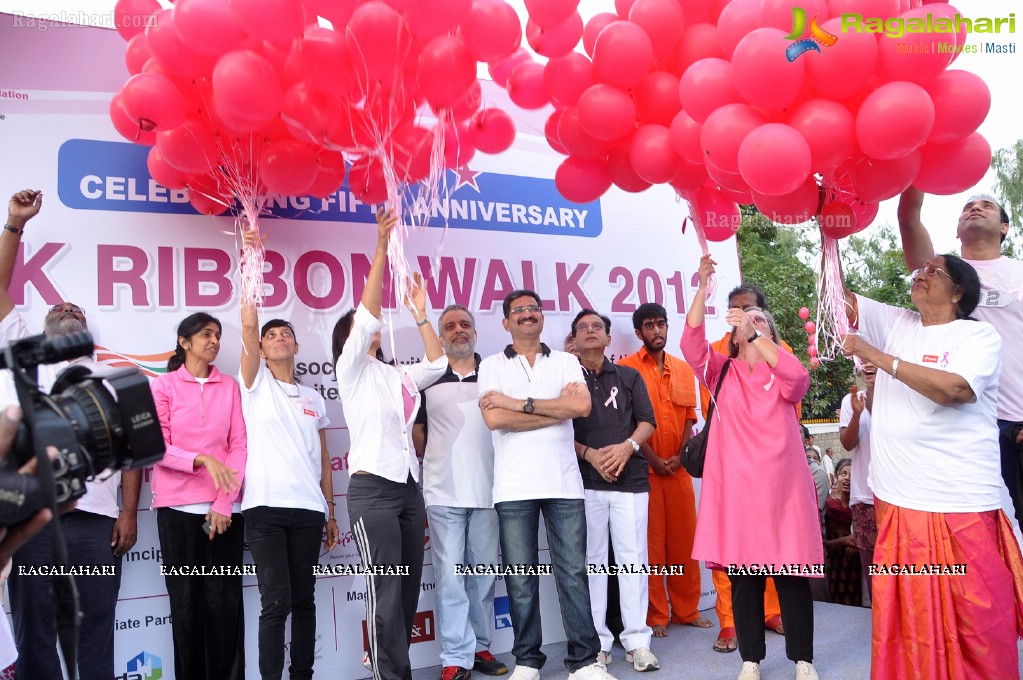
623, 54
208, 204
378, 41
555, 41
366, 180
663, 21
337, 12
774, 159
657, 98
761, 72
689, 177
576, 140
829, 129
330, 173
288, 167
622, 174
596, 24
428, 20
500, 70
894, 120
719, 217
137, 53
164, 174
551, 131
728, 181
607, 113
320, 58
723, 134
623, 7
868, 8
167, 48
565, 78
778, 13
246, 90
492, 131
190, 148
582, 180
916, 56
961, 103
844, 68
550, 13
838, 220
133, 17
738, 19
699, 41
954, 166
876, 180
651, 155
492, 31
525, 86
706, 86
153, 102
310, 115
126, 126
278, 21
792, 208
685, 138
446, 71
468, 104
208, 26
411, 150
865, 213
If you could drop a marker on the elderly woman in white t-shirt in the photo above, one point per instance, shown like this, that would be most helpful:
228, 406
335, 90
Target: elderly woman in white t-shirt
936, 475
289, 492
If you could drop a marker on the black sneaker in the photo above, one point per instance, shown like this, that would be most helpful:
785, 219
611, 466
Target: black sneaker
455, 673
485, 663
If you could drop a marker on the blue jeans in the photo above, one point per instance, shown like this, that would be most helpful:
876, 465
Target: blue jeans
465, 604
1012, 466
565, 520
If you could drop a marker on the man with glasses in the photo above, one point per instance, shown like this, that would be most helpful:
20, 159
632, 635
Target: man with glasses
529, 395
616, 485
982, 227
97, 534
672, 516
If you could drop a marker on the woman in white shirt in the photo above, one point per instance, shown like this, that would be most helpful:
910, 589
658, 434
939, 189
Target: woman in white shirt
289, 491
385, 502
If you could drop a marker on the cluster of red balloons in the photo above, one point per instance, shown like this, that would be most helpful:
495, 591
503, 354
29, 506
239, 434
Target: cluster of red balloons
811, 337
250, 97
700, 94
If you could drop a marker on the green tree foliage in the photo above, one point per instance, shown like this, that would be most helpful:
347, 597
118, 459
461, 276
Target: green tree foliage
1008, 165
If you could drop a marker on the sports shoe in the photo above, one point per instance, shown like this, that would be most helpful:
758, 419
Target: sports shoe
366, 662
642, 659
524, 673
485, 663
750, 671
604, 658
455, 673
592, 672
805, 671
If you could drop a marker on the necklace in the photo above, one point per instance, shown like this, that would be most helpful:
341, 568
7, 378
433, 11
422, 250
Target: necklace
280, 384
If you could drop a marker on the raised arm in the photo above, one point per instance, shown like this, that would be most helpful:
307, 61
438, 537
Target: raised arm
698, 306
415, 300
916, 242
373, 293
22, 207
250, 324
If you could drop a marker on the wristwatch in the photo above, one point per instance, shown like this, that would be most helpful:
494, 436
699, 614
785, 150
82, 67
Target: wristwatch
635, 446
753, 338
529, 406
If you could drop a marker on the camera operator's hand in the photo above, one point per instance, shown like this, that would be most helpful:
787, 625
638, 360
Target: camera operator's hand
13, 537
23, 206
218, 523
126, 532
223, 476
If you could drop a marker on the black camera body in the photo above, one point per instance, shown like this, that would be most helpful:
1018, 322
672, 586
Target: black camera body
97, 421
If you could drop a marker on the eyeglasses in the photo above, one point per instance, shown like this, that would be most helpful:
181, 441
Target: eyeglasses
583, 327
525, 308
64, 307
928, 270
655, 325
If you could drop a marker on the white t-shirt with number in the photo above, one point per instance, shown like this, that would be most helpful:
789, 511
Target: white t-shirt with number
859, 487
1001, 305
925, 456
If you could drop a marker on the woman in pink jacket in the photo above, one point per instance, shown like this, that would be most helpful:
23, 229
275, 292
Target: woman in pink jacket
195, 489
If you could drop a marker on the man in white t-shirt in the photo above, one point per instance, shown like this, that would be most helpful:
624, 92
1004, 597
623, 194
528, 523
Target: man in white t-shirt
983, 225
97, 534
529, 395
458, 481
854, 433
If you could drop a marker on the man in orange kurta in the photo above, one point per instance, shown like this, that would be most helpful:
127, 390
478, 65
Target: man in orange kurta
672, 519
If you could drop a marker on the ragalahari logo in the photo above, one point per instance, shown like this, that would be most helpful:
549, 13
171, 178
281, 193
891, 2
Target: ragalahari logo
806, 37
151, 365
145, 666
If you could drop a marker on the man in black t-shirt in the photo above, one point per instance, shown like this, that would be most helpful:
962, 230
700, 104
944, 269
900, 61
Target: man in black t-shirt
616, 486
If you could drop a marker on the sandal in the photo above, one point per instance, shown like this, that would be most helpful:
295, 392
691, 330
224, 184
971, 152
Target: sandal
774, 624
726, 642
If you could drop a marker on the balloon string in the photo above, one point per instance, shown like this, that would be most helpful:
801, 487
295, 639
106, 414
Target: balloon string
701, 238
832, 321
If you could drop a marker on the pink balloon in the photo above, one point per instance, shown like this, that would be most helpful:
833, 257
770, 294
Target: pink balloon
310, 115
607, 113
208, 26
576, 140
126, 126
804, 313
716, 214
761, 72
829, 129
685, 137
792, 208
865, 214
844, 68
132, 17
153, 102
623, 7
651, 155
500, 70
278, 21
378, 40
952, 167
876, 180
738, 19
724, 131
778, 13
164, 174
810, 327
337, 12
491, 30
894, 120
167, 48
492, 131
729, 181
552, 132
411, 149
190, 148
699, 41
596, 24
366, 180
550, 13
622, 174
868, 8
558, 40
320, 59
470, 103
837, 221
774, 159
623, 54
706, 86
582, 180
429, 20
567, 77
663, 21
446, 71
916, 56
961, 103
137, 53
657, 98
689, 177
812, 351
525, 86
246, 89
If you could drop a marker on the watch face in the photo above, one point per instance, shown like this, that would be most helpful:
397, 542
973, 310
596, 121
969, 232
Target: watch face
528, 407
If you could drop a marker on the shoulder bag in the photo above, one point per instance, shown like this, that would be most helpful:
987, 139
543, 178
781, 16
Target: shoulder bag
694, 453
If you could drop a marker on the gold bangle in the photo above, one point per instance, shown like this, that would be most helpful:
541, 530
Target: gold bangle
332, 519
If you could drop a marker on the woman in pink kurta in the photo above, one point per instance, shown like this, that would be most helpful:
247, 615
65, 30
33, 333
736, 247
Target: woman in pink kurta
758, 506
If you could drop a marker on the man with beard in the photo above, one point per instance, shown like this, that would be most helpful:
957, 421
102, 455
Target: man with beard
672, 518
458, 481
854, 433
96, 533
529, 395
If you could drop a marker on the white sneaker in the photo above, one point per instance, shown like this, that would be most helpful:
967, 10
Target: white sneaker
805, 671
642, 659
524, 673
750, 671
592, 672
604, 658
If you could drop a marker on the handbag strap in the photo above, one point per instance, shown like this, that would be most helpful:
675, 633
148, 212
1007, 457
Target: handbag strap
717, 390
